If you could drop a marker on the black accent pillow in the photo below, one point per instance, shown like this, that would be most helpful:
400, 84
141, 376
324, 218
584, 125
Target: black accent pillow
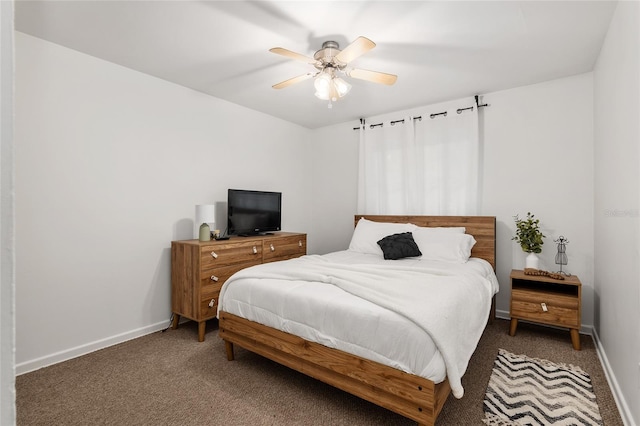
399, 246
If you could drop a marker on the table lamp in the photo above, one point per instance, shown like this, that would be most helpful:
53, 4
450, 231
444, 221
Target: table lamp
205, 213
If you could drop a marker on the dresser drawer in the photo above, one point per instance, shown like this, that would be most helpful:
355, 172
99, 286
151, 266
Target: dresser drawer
219, 274
227, 254
207, 308
284, 248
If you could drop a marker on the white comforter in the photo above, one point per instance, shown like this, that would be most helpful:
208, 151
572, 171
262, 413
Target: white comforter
388, 311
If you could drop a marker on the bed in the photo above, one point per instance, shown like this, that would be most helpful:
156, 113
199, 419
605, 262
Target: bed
419, 369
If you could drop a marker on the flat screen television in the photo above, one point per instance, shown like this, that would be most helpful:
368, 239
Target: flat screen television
253, 212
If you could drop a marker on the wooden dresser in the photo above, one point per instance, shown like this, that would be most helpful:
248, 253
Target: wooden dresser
198, 269
548, 301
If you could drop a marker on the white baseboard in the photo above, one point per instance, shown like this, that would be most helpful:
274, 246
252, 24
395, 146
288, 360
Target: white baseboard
502, 314
623, 407
45, 361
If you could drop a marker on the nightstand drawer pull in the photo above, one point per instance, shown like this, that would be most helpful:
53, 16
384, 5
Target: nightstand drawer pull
212, 302
214, 278
255, 250
272, 247
544, 307
300, 243
214, 254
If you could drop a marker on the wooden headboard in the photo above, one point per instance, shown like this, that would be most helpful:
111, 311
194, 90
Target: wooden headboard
483, 229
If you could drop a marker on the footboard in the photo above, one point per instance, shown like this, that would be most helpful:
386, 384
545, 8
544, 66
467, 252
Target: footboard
406, 394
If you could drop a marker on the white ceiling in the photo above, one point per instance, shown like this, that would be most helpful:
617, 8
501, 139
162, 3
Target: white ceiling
439, 50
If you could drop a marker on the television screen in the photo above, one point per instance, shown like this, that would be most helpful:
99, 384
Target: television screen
253, 212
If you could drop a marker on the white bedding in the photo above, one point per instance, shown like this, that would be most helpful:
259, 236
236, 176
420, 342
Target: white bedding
419, 316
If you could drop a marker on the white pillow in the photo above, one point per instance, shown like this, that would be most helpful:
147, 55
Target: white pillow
444, 246
367, 234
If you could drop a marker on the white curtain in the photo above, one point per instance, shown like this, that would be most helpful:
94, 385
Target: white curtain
427, 166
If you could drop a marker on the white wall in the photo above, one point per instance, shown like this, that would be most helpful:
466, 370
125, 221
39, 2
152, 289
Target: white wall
538, 157
109, 166
7, 220
334, 171
617, 204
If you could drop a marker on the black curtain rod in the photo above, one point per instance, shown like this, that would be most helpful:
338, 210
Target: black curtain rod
478, 103
419, 118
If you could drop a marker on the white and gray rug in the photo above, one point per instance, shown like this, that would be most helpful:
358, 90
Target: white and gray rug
530, 391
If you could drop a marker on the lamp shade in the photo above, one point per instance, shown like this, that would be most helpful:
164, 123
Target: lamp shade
342, 87
205, 213
323, 85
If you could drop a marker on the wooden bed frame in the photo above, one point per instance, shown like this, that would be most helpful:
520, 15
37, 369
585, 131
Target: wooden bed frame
409, 395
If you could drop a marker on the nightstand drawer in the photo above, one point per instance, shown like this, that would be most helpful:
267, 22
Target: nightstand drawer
554, 315
549, 298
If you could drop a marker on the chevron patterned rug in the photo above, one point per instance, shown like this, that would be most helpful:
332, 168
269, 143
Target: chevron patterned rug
530, 391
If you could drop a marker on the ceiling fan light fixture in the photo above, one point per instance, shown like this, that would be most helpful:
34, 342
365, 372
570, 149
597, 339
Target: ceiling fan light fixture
322, 83
342, 87
330, 87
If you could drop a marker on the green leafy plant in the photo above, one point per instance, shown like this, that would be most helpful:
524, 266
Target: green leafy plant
528, 234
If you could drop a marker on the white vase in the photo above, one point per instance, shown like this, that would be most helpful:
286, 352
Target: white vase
532, 261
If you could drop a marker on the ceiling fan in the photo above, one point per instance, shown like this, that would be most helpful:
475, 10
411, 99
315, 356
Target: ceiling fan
329, 61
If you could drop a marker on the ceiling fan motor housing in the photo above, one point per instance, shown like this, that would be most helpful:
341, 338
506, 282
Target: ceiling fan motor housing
326, 56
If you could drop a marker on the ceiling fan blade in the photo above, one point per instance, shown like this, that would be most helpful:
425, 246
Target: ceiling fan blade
293, 80
359, 47
292, 55
373, 76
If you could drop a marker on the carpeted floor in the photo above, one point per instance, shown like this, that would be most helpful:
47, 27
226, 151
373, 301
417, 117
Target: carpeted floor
171, 379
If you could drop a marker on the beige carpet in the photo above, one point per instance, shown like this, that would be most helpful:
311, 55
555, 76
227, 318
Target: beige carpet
171, 379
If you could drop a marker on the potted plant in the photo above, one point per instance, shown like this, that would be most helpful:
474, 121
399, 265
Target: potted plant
529, 236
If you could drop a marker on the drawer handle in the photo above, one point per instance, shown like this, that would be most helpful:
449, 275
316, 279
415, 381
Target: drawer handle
272, 247
255, 250
214, 254
214, 278
212, 302
300, 243
544, 307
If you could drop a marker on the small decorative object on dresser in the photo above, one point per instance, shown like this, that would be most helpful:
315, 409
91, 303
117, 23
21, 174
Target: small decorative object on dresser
529, 236
198, 269
546, 300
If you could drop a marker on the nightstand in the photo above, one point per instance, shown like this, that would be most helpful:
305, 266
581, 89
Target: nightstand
545, 300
